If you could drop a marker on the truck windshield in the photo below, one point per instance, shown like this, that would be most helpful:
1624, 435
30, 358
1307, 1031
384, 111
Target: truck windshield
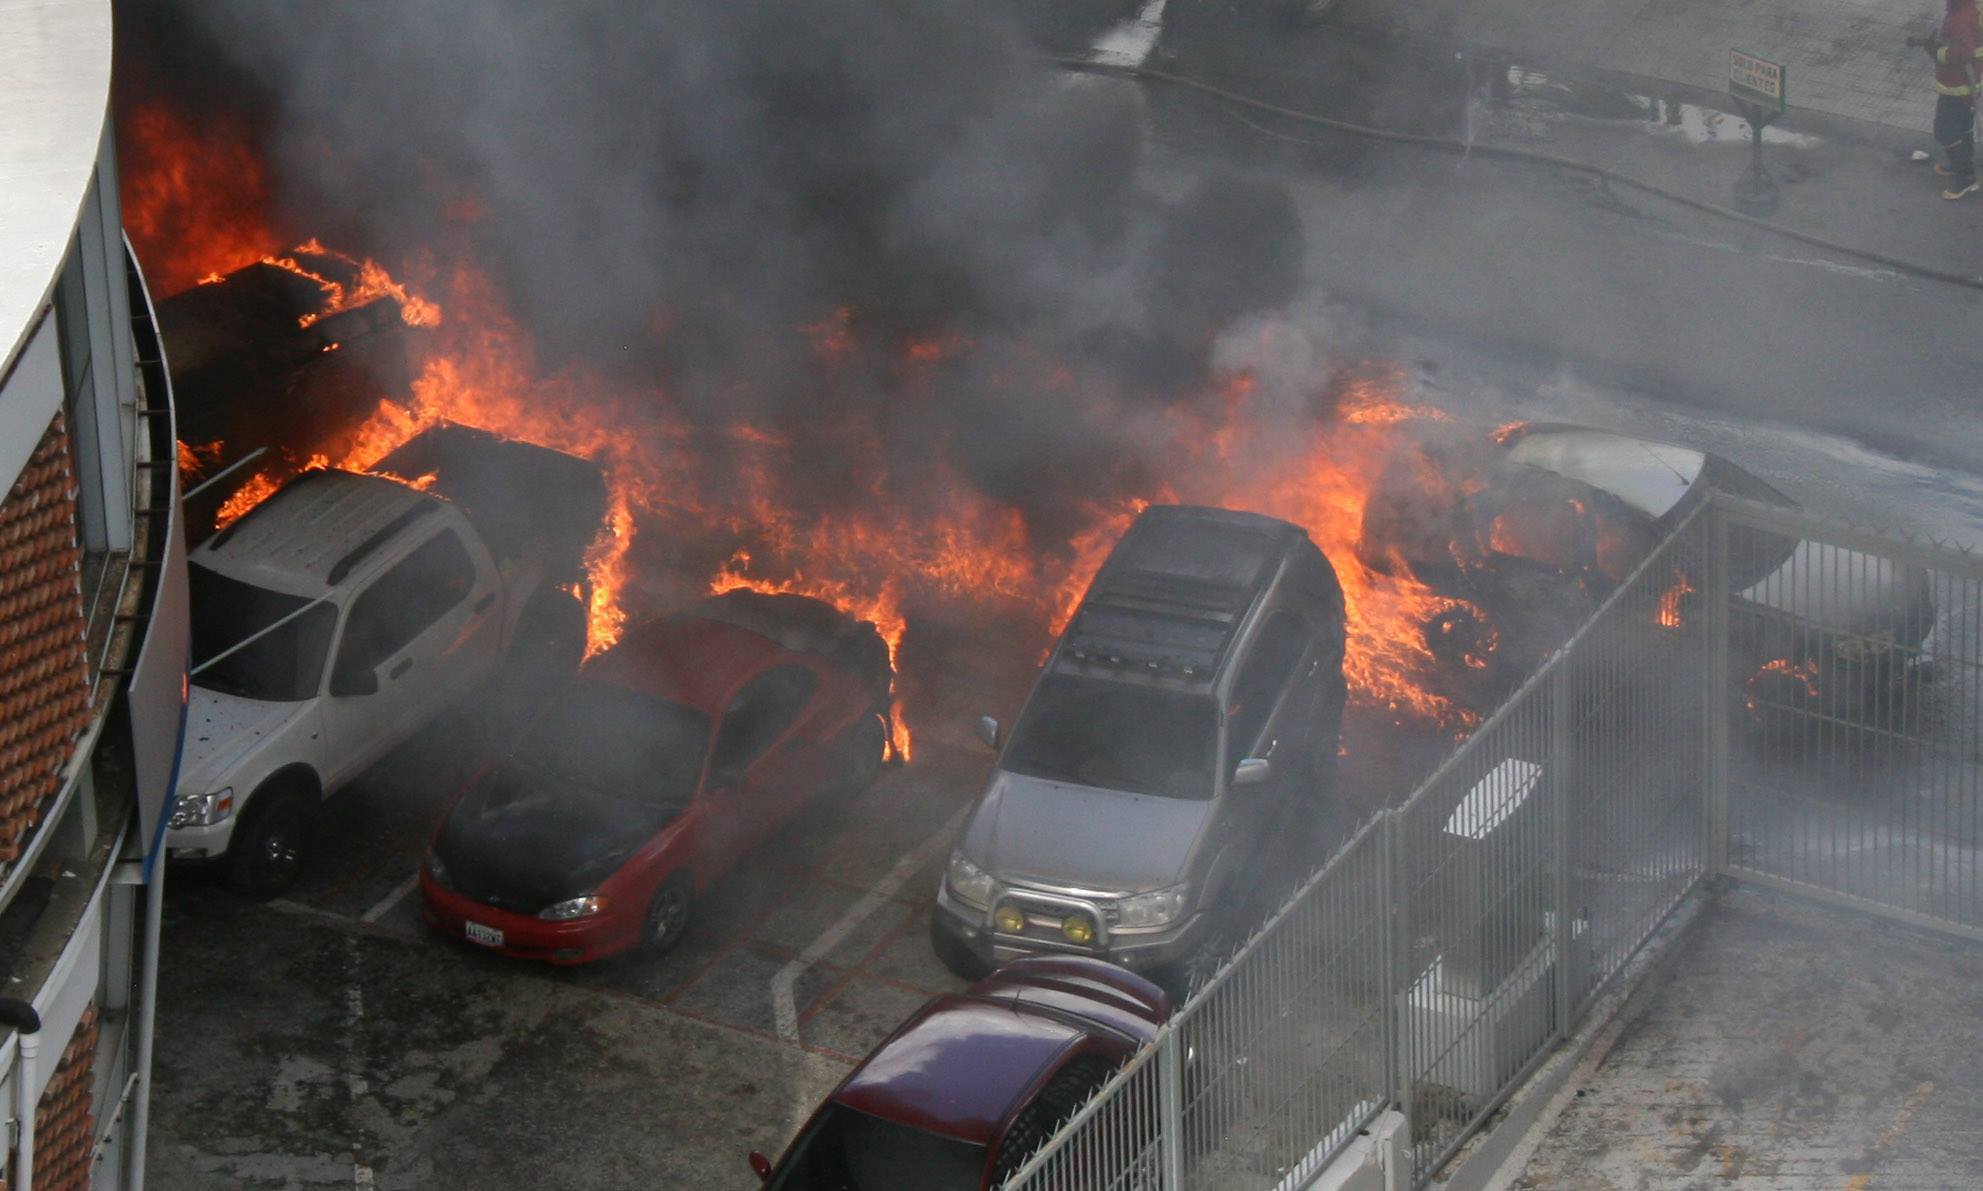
620, 742
283, 666
1117, 736
847, 1150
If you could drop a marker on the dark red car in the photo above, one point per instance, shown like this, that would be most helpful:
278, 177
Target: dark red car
964, 1092
672, 755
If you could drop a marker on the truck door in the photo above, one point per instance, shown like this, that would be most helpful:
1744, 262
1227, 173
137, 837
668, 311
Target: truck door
415, 639
1266, 716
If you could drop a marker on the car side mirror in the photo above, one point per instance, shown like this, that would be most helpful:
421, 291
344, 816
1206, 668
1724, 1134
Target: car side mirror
988, 731
762, 1165
362, 682
1252, 771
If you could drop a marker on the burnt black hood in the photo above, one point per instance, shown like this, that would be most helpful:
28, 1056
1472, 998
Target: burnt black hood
521, 839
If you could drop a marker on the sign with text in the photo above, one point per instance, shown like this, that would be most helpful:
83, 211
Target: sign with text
1756, 80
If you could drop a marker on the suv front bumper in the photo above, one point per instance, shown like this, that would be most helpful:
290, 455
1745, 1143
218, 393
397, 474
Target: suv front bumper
1139, 951
200, 843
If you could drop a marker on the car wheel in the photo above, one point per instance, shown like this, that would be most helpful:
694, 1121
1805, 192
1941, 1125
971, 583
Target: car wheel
268, 848
861, 752
668, 913
955, 955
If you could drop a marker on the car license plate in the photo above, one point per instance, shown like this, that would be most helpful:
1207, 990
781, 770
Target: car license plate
488, 936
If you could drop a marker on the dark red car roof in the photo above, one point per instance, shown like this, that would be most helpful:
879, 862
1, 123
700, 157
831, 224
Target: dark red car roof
684, 659
959, 1067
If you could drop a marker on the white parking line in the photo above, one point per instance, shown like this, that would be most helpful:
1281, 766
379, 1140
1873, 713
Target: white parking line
784, 1010
385, 904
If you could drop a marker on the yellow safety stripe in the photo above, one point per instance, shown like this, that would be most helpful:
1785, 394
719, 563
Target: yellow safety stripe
1962, 91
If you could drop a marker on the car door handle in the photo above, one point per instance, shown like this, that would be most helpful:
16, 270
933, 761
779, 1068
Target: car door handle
486, 602
402, 667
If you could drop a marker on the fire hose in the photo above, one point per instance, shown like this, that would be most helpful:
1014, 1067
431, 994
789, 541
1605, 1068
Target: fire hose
1447, 144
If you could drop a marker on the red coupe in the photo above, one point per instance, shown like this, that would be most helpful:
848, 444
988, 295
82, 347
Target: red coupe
673, 754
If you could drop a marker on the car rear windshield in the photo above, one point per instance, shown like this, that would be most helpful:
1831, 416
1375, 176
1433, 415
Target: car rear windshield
622, 743
282, 665
1118, 737
848, 1150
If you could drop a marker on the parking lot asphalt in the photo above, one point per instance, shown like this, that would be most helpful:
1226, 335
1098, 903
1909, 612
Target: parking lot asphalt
331, 1039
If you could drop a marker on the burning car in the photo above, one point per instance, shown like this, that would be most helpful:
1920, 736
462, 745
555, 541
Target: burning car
1185, 723
1529, 529
966, 1089
327, 333
348, 610
674, 753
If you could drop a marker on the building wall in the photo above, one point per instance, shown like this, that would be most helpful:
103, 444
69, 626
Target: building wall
44, 677
93, 654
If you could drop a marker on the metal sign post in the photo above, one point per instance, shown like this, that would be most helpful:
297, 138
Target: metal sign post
1758, 87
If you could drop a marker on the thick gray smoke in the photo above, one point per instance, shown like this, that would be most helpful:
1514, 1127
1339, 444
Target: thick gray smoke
671, 190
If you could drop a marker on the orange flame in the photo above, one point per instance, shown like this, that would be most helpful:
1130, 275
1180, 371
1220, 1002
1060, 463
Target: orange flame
1669, 603
193, 195
1804, 672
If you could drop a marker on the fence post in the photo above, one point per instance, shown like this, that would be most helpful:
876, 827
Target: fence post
1714, 814
1559, 817
1389, 962
1397, 953
1170, 1108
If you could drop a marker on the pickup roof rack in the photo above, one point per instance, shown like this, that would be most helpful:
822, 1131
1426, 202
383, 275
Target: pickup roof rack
1175, 592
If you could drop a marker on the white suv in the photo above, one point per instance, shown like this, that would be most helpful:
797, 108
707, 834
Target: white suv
330, 623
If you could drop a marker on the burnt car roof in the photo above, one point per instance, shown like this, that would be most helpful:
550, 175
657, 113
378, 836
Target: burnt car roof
685, 660
960, 1066
696, 658
1174, 592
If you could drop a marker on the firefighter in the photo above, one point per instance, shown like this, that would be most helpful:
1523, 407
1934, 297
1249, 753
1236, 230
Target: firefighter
1958, 53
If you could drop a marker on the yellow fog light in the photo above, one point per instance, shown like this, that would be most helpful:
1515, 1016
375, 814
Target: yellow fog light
1009, 920
1078, 929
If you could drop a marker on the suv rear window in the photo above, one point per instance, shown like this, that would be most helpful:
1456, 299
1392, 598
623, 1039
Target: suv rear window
1117, 737
848, 1150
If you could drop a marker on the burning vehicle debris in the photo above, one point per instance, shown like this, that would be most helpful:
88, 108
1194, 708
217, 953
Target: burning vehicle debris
1530, 528
1183, 730
675, 752
289, 352
347, 610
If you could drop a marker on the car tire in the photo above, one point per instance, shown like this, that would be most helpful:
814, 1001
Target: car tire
955, 955
668, 913
861, 751
270, 845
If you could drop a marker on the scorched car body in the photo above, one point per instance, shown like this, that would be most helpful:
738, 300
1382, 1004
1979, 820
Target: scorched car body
1534, 526
673, 754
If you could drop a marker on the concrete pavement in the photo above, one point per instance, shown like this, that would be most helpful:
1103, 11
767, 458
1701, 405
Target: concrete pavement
1790, 1045
1844, 57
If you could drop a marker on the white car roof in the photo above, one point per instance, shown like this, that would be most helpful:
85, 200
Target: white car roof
1652, 477
295, 540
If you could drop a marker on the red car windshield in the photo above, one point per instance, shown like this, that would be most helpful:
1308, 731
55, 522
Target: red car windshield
622, 743
847, 1150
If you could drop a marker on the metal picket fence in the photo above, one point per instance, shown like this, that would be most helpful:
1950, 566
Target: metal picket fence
1854, 769
1768, 695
